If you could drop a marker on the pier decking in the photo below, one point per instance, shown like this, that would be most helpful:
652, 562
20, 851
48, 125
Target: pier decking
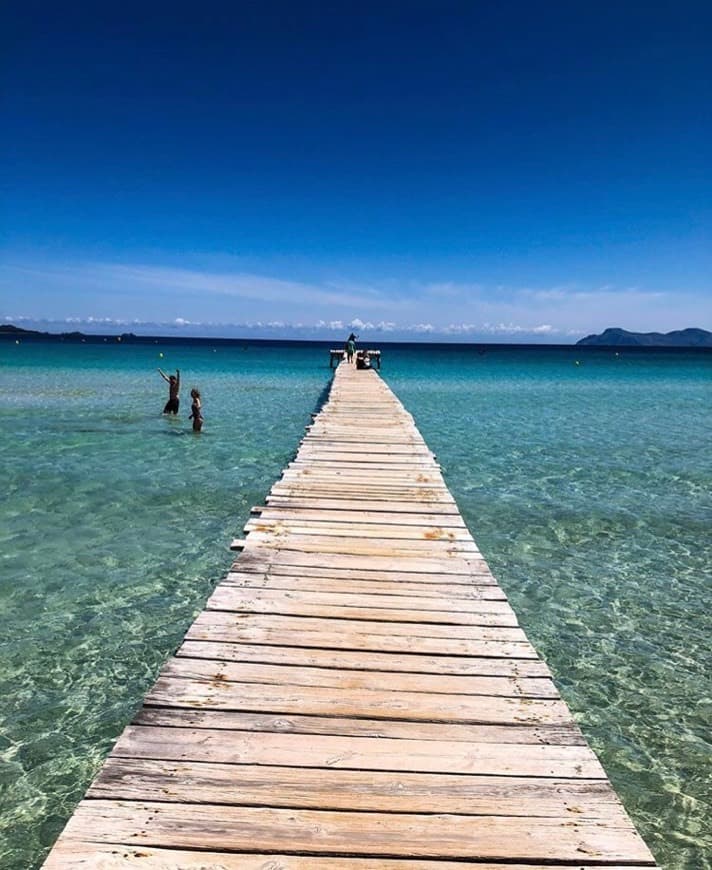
357, 693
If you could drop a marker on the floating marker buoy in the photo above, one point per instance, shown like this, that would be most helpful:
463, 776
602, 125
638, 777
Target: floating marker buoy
160, 355
577, 363
17, 341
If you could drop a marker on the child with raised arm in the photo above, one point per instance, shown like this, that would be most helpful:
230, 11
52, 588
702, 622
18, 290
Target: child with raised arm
171, 406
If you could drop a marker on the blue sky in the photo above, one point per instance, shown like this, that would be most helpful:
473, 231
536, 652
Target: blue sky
508, 171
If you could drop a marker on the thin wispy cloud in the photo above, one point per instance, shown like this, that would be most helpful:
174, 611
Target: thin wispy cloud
189, 298
387, 330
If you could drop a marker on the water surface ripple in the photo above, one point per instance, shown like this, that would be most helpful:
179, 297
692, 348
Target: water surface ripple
588, 488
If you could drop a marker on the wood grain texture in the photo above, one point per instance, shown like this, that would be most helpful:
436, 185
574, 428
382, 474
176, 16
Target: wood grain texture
279, 723
359, 753
383, 791
87, 855
348, 606
392, 663
323, 832
285, 673
306, 581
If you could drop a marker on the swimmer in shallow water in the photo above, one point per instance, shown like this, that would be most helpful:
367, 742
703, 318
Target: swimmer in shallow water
196, 410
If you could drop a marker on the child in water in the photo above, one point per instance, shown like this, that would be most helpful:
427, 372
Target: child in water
196, 413
173, 387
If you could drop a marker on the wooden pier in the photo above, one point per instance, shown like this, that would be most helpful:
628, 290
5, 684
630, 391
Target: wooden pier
357, 693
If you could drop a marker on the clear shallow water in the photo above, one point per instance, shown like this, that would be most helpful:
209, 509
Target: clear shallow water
588, 489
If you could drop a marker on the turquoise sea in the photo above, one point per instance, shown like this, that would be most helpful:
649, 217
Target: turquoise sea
587, 486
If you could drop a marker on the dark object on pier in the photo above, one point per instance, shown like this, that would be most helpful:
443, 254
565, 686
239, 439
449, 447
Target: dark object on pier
363, 360
336, 355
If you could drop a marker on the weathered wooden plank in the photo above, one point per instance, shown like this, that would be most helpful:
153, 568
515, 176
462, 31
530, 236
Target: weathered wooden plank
567, 734
223, 601
379, 517
380, 471
421, 595
280, 566
422, 497
365, 661
342, 503
337, 701
397, 477
231, 631
355, 498
399, 472
352, 527
347, 626
285, 674
348, 599
399, 438
363, 545
373, 834
267, 557
385, 791
319, 456
357, 546
239, 600
320, 448
391, 430
420, 482
364, 486
87, 855
371, 548
359, 753
416, 460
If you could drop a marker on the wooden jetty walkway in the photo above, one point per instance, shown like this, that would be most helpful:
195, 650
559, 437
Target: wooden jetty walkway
357, 693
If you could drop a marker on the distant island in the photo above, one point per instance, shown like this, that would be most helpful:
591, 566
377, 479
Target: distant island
622, 338
9, 329
612, 337
18, 332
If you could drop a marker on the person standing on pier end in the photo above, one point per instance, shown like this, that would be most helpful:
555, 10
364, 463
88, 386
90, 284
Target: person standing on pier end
350, 347
171, 406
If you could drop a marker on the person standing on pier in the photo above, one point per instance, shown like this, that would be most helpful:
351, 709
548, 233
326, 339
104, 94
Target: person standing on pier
350, 347
171, 406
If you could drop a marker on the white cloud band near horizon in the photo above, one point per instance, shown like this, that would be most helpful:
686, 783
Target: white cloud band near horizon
95, 294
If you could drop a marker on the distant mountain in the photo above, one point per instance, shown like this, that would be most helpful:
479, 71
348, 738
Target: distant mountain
9, 329
677, 338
